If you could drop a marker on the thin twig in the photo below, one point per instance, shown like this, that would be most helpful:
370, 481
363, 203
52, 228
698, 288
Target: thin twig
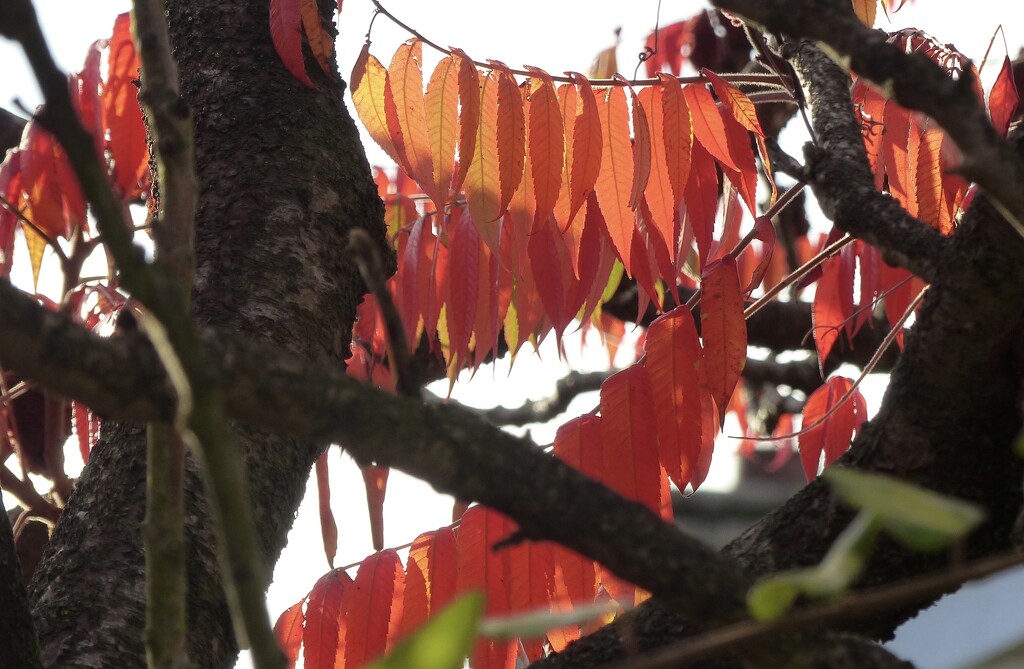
853, 606
366, 257
759, 79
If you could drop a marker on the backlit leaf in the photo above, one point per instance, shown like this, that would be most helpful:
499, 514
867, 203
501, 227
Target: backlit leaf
735, 101
122, 114
321, 42
1003, 98
630, 438
369, 81
323, 633
286, 33
511, 135
615, 178
469, 118
678, 134
723, 328
444, 642
674, 361
587, 145
288, 631
708, 127
376, 481
441, 106
328, 528
546, 143
865, 11
661, 201
828, 313
483, 183
368, 607
835, 424
405, 75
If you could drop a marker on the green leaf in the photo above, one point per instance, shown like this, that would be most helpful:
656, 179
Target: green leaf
444, 642
773, 596
535, 623
919, 519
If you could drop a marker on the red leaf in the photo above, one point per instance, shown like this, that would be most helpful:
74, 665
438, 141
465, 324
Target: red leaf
323, 634
615, 178
550, 274
286, 33
723, 328
1003, 98
828, 426
895, 155
481, 568
708, 126
376, 481
546, 144
288, 630
701, 202
511, 136
678, 133
744, 179
464, 258
431, 574
328, 528
764, 232
828, 312
529, 580
469, 119
674, 362
587, 144
641, 152
628, 432
368, 607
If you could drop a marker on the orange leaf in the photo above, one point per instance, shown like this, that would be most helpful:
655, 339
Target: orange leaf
615, 177
328, 528
587, 145
735, 101
321, 43
1003, 98
641, 149
833, 434
895, 155
546, 143
865, 11
323, 634
469, 119
441, 105
723, 328
744, 179
483, 181
288, 631
511, 135
406, 78
368, 607
674, 362
369, 82
661, 201
628, 432
678, 134
529, 579
286, 33
708, 127
931, 207
376, 481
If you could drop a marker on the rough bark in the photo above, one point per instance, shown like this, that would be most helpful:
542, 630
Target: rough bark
283, 180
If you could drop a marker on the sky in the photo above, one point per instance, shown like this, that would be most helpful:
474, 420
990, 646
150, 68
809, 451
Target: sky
555, 36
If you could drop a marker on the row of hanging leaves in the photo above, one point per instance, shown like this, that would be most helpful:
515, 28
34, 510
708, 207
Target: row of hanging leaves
540, 196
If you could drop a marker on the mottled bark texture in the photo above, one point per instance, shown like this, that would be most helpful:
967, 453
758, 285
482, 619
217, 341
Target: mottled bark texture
283, 179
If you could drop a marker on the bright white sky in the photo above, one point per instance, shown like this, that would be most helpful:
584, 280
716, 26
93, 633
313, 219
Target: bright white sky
556, 36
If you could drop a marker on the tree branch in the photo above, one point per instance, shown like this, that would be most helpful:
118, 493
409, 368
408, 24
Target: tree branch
19, 645
912, 80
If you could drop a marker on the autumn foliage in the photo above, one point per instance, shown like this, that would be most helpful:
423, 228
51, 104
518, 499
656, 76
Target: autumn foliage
521, 201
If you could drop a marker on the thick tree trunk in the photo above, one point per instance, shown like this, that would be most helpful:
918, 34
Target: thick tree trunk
283, 179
